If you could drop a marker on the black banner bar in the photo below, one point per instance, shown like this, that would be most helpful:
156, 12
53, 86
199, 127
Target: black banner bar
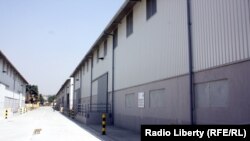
195, 132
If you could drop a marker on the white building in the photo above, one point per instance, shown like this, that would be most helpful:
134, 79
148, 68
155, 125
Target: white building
169, 62
12, 86
64, 97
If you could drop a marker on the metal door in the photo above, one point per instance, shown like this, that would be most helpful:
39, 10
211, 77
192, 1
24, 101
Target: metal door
102, 89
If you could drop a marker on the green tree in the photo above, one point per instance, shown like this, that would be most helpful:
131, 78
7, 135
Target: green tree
51, 98
33, 93
41, 99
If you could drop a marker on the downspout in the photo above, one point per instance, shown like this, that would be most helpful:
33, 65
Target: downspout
113, 83
190, 56
71, 95
113, 78
91, 78
81, 86
14, 88
107, 92
74, 95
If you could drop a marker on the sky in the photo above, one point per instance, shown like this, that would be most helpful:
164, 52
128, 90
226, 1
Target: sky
46, 39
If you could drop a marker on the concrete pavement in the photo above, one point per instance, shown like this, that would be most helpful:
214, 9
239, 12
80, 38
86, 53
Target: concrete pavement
112, 133
116, 133
54, 127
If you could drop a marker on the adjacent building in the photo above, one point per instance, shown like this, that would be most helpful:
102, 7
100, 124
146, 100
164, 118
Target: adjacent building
64, 97
12, 86
168, 62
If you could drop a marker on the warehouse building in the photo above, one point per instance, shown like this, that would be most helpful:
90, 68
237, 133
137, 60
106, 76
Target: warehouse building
169, 62
64, 97
12, 86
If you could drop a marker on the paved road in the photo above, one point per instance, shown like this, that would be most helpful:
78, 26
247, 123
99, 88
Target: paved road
53, 125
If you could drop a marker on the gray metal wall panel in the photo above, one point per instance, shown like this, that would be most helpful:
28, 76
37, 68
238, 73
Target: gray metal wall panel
231, 105
102, 89
157, 48
8, 79
86, 81
221, 32
104, 65
77, 80
175, 109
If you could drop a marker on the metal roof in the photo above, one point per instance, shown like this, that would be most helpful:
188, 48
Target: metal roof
5, 58
63, 85
122, 12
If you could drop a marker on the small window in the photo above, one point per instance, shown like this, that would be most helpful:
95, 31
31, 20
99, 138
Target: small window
115, 38
105, 47
14, 75
212, 94
130, 23
87, 66
97, 55
83, 69
10, 72
63, 101
129, 100
156, 98
7, 71
4, 69
151, 8
67, 100
78, 96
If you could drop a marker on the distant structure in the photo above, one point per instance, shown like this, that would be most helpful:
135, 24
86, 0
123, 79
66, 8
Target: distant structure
167, 62
64, 97
12, 86
32, 94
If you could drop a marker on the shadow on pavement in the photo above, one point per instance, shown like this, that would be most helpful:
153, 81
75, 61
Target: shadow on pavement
112, 134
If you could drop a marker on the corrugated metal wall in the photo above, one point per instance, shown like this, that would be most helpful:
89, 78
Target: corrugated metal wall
86, 81
77, 80
8, 79
105, 65
157, 48
221, 32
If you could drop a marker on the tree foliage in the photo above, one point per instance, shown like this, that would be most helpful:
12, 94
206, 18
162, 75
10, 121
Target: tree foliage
51, 98
41, 99
33, 93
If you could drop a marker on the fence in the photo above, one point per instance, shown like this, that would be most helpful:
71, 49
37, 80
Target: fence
99, 108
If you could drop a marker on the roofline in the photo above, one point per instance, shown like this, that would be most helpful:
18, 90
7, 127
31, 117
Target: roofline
120, 14
4, 57
63, 85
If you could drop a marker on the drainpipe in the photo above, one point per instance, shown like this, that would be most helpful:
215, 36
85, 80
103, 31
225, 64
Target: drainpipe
191, 74
113, 78
71, 85
14, 88
91, 78
80, 85
74, 94
113, 84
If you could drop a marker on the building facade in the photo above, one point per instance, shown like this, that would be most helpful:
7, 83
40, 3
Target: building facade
169, 62
12, 86
64, 97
